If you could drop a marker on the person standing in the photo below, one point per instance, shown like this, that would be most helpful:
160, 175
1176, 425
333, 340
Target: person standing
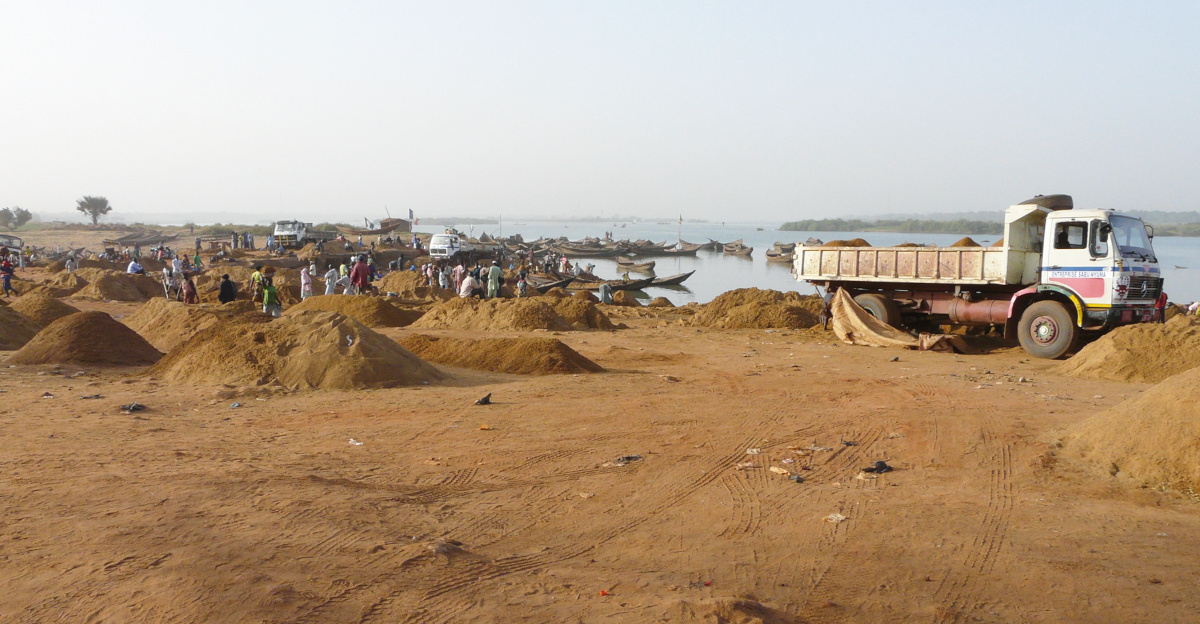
331, 278
6, 275
271, 301
257, 281
495, 277
305, 284
228, 290
70, 264
459, 272
360, 277
189, 290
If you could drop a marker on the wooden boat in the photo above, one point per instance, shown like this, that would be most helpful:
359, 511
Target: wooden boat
631, 265
614, 284
784, 247
686, 246
673, 280
596, 252
736, 248
544, 287
675, 252
778, 256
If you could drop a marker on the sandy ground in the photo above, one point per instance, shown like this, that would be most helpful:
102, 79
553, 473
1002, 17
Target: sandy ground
193, 511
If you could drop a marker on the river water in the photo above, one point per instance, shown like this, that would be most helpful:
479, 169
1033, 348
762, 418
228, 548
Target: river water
717, 273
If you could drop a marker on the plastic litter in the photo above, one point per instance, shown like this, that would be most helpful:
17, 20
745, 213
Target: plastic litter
47, 395
796, 478
878, 467
778, 470
354, 442
133, 407
91, 396
753, 451
486, 400
235, 406
835, 518
625, 460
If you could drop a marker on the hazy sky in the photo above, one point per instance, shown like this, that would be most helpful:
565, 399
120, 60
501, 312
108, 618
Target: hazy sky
738, 111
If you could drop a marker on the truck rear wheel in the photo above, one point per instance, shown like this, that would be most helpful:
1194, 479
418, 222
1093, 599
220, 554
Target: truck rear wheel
1046, 330
880, 307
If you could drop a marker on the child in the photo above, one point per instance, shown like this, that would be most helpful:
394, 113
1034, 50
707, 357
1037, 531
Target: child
6, 274
271, 301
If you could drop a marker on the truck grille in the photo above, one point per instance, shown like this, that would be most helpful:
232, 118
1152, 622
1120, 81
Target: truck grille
1144, 286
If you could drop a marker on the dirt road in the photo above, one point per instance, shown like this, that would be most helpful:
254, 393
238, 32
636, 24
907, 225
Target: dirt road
194, 511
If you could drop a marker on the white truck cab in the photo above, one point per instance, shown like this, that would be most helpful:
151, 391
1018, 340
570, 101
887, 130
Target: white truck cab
444, 246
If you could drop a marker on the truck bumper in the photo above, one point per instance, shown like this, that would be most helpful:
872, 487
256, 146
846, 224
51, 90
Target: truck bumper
1107, 318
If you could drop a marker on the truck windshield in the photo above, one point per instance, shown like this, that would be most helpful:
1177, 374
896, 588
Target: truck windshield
1130, 238
441, 240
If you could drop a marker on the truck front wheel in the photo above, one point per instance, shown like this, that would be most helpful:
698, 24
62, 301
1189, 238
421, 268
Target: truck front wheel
1047, 330
880, 307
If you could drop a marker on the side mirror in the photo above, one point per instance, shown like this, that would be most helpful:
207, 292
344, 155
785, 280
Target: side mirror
1105, 230
1150, 231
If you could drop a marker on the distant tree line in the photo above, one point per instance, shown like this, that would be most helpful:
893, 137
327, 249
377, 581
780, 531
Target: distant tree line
907, 226
14, 218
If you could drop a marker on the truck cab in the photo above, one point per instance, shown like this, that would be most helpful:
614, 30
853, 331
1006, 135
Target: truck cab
291, 233
444, 246
1104, 262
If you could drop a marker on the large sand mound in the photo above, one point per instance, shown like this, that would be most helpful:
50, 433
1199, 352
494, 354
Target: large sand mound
306, 350
87, 338
167, 324
42, 309
753, 308
522, 356
514, 315
16, 329
61, 285
1153, 439
370, 311
1146, 353
105, 285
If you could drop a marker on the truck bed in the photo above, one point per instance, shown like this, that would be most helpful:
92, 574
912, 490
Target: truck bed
969, 266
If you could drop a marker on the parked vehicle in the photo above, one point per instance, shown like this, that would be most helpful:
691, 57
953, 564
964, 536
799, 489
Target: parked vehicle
299, 234
1058, 273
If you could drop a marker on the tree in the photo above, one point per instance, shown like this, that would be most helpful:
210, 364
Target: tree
93, 207
20, 217
6, 218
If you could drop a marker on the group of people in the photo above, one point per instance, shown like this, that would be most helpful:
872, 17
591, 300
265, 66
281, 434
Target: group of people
245, 240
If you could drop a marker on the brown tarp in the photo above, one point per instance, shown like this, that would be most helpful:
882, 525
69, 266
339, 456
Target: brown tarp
856, 326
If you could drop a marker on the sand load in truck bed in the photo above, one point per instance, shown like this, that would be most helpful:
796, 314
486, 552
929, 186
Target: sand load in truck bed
1146, 353
308, 350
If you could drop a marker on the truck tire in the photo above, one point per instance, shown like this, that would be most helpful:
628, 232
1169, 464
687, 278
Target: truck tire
880, 307
1047, 330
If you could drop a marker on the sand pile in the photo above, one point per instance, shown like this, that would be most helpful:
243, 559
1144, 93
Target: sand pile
514, 315
42, 309
55, 267
166, 324
15, 329
753, 308
370, 311
87, 338
558, 292
521, 356
61, 285
965, 241
660, 302
854, 242
1145, 353
624, 298
586, 295
1152, 439
111, 288
404, 283
306, 350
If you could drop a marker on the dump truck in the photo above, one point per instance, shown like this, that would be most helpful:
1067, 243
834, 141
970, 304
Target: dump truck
1057, 275
299, 233
454, 246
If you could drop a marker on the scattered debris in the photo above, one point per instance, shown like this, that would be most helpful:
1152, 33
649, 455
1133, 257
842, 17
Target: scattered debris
235, 406
787, 460
814, 447
625, 460
91, 396
895, 359
586, 495
448, 547
778, 470
746, 465
753, 451
354, 442
849, 443
485, 427
669, 378
835, 518
47, 395
878, 467
132, 407
486, 400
